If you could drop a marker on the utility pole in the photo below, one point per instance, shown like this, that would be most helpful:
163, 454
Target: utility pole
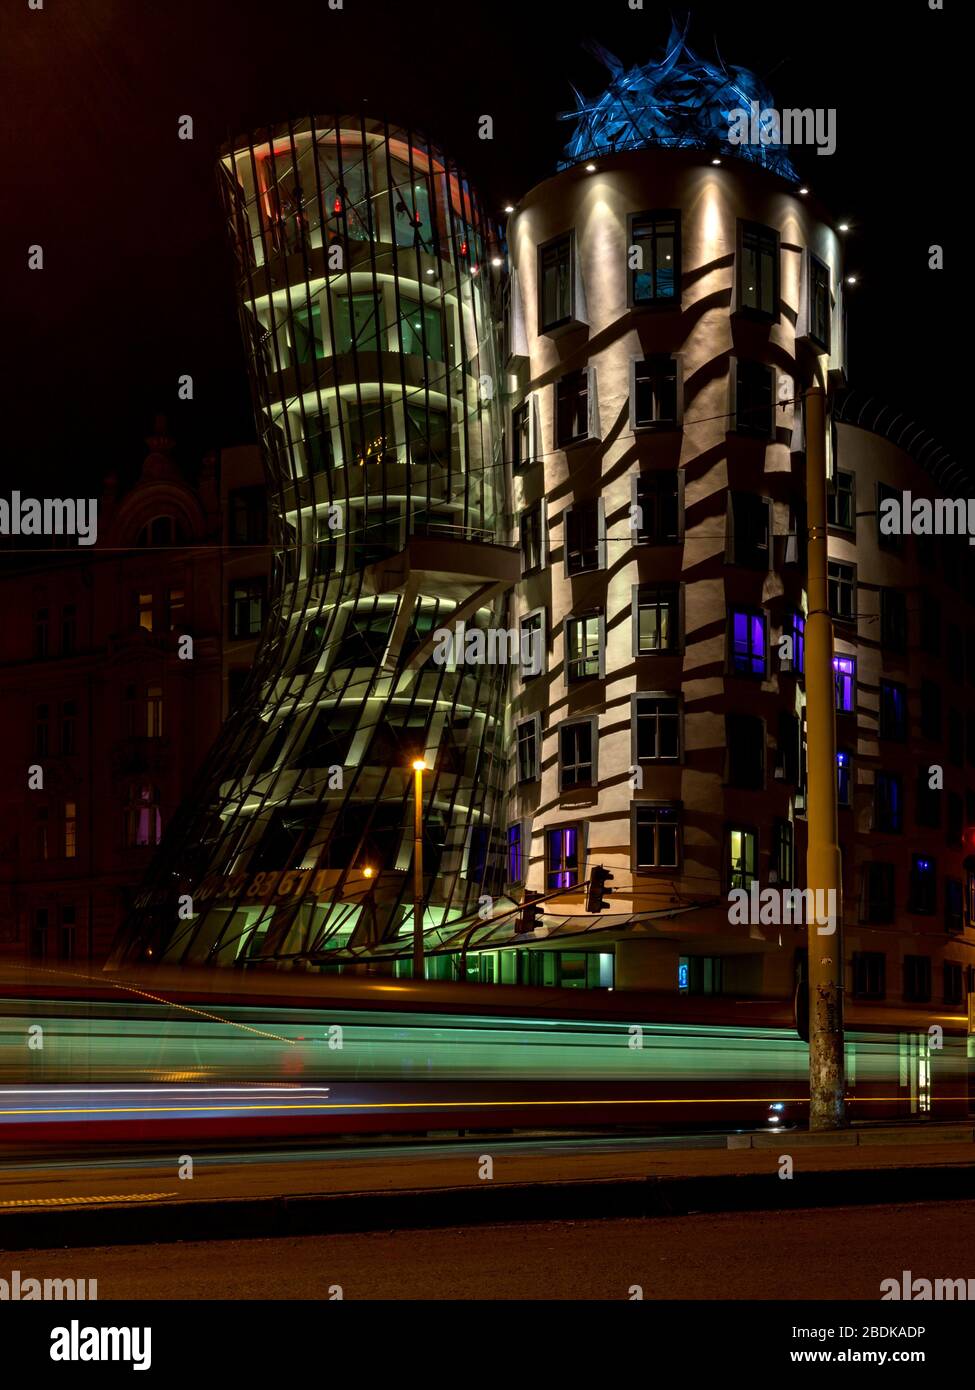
827, 1080
419, 767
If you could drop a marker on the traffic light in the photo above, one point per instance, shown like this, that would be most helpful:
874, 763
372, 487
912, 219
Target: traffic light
530, 915
597, 894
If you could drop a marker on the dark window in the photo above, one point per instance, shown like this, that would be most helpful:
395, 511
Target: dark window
530, 528
878, 893
516, 863
930, 624
428, 435
247, 516
819, 302
928, 808
42, 626
842, 585
308, 340
931, 710
555, 283
956, 820
970, 739
68, 924
956, 737
69, 727
532, 648
783, 855
318, 443
658, 620
758, 270
576, 755
845, 683
528, 751
745, 739
657, 728
841, 502
38, 934
364, 640
742, 857
844, 778
888, 814
247, 607
917, 979
655, 392
789, 750
869, 971
582, 537
657, 836
583, 647
954, 905
955, 653
749, 655
748, 522
42, 731
562, 856
655, 238
658, 500
572, 408
893, 710
893, 619
953, 982
69, 628
754, 393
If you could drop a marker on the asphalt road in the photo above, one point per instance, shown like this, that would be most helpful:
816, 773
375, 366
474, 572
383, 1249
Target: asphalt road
842, 1253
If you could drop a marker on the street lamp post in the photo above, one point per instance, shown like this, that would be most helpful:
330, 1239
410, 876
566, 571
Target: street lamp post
419, 767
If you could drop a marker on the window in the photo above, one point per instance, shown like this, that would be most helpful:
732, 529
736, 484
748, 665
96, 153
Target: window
42, 629
359, 324
532, 649
247, 515
745, 742
753, 397
742, 857
522, 435
783, 853
68, 922
577, 755
956, 737
41, 836
888, 809
532, 548
845, 683
749, 528
656, 496
893, 619
656, 728
562, 856
956, 821
529, 740
319, 454
555, 298
422, 329
878, 893
893, 710
841, 502
953, 982
795, 629
145, 611
154, 711
516, 853
69, 628
69, 727
657, 619
930, 624
70, 829
789, 761
656, 835
928, 809
583, 543
572, 404
869, 975
758, 271
654, 393
748, 650
427, 434
843, 778
842, 587
819, 301
917, 979
954, 905
655, 249
143, 823
930, 711
42, 731
247, 607
700, 974
584, 647
38, 934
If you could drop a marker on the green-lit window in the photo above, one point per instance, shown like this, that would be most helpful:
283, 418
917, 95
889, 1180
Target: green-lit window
422, 330
308, 339
358, 323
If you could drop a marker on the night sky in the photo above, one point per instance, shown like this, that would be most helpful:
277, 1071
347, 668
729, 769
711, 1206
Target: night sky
137, 285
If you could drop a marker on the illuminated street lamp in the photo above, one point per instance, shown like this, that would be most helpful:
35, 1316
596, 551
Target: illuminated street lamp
419, 768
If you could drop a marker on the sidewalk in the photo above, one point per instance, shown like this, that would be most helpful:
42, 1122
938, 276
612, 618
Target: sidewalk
124, 1202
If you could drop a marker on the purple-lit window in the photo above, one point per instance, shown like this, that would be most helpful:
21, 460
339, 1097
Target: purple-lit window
923, 893
845, 680
747, 643
143, 822
562, 857
843, 778
798, 643
515, 859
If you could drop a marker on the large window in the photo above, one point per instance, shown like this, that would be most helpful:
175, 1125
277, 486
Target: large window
655, 258
748, 643
555, 306
572, 407
584, 647
656, 496
742, 857
656, 835
758, 271
749, 526
582, 539
359, 323
563, 856
577, 754
657, 621
656, 728
878, 893
422, 330
842, 588
917, 979
654, 400
754, 388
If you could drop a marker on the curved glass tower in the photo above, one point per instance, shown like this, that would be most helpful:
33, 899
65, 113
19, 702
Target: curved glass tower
364, 290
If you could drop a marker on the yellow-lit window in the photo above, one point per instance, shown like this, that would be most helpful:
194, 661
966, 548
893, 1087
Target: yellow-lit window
70, 829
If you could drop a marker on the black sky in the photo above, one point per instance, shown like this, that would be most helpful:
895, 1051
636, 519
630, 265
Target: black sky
137, 282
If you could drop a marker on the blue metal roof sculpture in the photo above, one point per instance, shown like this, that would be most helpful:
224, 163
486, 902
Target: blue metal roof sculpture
681, 102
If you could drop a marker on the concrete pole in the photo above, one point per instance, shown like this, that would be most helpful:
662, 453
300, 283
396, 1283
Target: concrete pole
419, 768
827, 1081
